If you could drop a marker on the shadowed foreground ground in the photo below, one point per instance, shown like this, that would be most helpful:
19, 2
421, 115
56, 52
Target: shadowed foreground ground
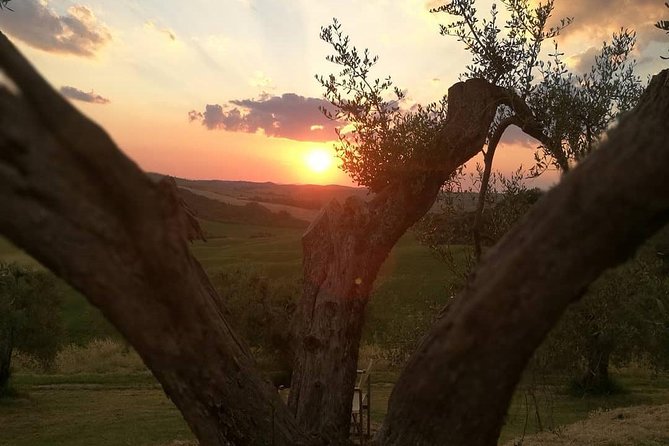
631, 426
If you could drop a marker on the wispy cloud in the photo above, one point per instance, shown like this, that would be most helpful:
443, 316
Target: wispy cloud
287, 116
77, 32
167, 32
79, 95
261, 80
600, 18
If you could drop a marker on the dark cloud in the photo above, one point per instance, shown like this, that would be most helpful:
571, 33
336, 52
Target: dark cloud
77, 32
286, 116
78, 95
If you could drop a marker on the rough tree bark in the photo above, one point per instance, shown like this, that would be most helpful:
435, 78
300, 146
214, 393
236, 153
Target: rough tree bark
344, 249
74, 202
465, 370
80, 207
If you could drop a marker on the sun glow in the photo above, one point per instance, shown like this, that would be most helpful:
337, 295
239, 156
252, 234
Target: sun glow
319, 160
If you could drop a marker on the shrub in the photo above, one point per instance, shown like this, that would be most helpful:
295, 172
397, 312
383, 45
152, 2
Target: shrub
260, 310
30, 317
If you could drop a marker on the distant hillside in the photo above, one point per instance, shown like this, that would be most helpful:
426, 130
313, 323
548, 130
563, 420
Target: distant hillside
302, 202
306, 196
250, 213
299, 213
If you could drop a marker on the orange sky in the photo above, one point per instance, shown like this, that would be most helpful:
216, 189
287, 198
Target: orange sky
139, 67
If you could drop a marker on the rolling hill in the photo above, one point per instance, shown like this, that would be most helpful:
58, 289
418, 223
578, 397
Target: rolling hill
302, 202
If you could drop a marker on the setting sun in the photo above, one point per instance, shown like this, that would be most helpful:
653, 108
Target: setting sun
319, 160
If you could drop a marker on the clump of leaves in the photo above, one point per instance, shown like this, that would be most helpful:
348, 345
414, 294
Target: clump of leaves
506, 56
575, 109
572, 110
379, 141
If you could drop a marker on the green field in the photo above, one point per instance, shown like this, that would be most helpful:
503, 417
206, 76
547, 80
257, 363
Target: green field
105, 397
130, 409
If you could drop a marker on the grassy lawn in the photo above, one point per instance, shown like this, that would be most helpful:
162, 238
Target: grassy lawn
131, 409
123, 410
125, 406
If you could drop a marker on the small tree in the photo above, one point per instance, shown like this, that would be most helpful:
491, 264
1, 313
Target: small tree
30, 319
621, 318
566, 112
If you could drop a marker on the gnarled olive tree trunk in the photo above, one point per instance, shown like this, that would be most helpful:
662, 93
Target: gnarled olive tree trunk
344, 249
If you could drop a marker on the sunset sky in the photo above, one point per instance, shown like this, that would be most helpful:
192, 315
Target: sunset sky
138, 67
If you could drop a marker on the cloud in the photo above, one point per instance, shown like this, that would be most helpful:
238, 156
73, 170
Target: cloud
515, 136
78, 32
287, 116
600, 18
79, 95
261, 80
582, 62
167, 32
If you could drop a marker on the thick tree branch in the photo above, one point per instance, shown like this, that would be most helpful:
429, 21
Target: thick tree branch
72, 200
529, 124
488, 157
466, 368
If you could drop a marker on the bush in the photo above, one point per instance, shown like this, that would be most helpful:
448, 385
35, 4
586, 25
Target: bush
30, 317
98, 356
260, 310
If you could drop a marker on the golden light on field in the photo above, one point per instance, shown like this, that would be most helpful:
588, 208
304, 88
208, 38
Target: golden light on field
319, 160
